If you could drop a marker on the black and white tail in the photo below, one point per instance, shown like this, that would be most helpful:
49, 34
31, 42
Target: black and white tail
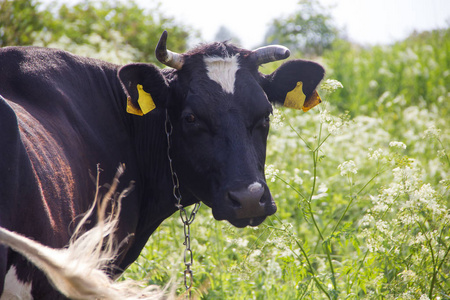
79, 271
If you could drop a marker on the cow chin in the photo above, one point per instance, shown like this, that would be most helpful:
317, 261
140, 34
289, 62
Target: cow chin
241, 223
244, 206
221, 214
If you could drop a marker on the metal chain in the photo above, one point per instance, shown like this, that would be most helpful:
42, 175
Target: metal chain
187, 220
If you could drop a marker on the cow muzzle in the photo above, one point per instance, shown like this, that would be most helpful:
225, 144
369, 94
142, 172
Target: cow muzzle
250, 205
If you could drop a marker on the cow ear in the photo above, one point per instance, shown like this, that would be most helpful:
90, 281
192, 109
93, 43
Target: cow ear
294, 84
145, 86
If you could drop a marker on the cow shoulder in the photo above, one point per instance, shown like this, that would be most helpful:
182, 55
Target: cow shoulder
10, 152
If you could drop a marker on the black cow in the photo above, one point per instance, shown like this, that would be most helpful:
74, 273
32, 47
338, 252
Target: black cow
61, 115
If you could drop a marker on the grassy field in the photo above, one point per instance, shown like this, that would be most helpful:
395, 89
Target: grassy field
362, 188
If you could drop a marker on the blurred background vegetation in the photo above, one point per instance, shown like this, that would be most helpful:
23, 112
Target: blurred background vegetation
95, 25
119, 24
329, 239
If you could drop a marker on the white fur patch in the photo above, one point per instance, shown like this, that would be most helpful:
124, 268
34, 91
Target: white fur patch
254, 187
223, 71
14, 288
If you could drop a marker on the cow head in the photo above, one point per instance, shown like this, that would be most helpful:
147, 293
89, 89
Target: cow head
220, 107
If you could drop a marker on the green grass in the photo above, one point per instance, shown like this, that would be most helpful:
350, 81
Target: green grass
362, 188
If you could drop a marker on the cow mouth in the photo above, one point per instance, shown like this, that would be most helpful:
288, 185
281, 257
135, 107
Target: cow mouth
229, 216
242, 207
241, 223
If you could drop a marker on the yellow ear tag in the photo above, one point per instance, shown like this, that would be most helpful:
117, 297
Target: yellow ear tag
131, 109
312, 101
145, 100
296, 97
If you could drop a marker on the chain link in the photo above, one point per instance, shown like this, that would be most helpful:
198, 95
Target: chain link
185, 218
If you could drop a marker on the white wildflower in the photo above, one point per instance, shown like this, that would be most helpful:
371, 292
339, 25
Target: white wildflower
395, 144
325, 116
407, 275
380, 207
271, 172
366, 220
399, 100
348, 167
427, 196
298, 180
374, 199
374, 245
408, 295
383, 97
319, 196
323, 188
408, 56
274, 268
331, 85
425, 250
321, 192
382, 226
241, 242
373, 84
254, 256
277, 119
376, 154
409, 219
441, 153
424, 297
335, 127
433, 131
385, 72
426, 193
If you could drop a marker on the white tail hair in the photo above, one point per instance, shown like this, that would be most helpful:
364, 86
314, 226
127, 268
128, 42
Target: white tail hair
80, 270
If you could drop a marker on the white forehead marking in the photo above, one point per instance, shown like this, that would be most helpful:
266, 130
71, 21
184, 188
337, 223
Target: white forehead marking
223, 71
254, 187
14, 288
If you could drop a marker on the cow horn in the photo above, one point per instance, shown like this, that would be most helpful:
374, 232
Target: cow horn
167, 57
271, 53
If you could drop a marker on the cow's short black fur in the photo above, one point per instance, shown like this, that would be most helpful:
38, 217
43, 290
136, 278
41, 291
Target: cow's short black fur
61, 115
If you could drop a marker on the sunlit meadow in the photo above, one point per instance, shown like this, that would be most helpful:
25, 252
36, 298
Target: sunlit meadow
362, 188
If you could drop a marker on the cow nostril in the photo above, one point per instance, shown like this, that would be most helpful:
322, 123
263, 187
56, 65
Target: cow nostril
234, 201
248, 202
248, 199
255, 187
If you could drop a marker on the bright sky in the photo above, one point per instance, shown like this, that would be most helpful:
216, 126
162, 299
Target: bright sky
365, 21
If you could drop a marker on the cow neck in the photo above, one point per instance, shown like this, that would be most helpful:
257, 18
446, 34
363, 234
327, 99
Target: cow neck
154, 181
175, 182
185, 218
168, 128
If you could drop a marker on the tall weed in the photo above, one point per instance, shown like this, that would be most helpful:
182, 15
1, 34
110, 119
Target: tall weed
362, 187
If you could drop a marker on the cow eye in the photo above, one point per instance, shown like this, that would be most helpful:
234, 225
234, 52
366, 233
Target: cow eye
190, 118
